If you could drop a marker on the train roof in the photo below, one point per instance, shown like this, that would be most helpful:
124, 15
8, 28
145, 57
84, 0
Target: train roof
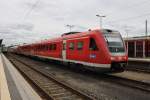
109, 31
70, 35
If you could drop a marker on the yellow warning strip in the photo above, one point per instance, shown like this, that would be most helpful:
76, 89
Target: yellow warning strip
4, 91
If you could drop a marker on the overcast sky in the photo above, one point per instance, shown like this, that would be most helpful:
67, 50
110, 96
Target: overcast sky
27, 21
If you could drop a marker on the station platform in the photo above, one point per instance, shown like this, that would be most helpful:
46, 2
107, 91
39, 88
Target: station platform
139, 63
139, 59
132, 75
12, 84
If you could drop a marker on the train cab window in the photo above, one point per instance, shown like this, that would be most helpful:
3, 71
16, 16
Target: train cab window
71, 46
80, 45
93, 45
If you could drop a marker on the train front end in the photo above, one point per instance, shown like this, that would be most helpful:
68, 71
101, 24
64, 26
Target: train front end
117, 50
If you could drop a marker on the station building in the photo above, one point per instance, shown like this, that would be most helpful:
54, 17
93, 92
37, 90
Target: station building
138, 47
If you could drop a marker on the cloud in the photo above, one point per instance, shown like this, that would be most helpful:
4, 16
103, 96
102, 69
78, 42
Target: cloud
29, 20
25, 26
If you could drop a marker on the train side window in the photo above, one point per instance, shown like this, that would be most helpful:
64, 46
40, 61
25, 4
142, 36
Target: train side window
79, 45
71, 46
50, 47
39, 47
44, 47
93, 45
53, 47
47, 47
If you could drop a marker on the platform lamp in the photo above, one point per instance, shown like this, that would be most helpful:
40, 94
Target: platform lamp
70, 26
101, 18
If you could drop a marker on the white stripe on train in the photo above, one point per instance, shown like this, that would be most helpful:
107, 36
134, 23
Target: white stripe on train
81, 62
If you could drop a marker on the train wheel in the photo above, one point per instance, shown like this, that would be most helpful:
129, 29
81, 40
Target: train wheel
118, 67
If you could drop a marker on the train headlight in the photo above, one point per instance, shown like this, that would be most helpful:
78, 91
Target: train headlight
119, 58
112, 58
125, 58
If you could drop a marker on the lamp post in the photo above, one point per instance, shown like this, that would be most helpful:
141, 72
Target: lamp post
70, 27
101, 17
146, 32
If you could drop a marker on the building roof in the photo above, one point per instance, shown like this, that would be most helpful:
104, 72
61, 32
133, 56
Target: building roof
138, 38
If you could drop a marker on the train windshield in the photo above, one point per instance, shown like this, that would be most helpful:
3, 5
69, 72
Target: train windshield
114, 41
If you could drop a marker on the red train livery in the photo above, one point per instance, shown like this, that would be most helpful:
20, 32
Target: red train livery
96, 49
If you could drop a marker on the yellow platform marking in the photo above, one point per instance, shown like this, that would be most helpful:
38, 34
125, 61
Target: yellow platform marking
25, 90
4, 91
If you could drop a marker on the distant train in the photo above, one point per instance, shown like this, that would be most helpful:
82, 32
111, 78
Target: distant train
102, 50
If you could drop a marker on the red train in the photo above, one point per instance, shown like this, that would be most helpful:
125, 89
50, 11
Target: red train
95, 49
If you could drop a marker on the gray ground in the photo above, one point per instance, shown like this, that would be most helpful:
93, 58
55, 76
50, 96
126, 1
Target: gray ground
102, 89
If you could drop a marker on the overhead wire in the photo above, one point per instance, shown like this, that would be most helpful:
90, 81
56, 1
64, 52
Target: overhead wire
130, 18
31, 9
137, 4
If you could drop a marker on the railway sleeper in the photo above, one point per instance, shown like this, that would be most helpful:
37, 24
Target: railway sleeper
55, 89
64, 94
58, 91
53, 86
50, 83
73, 97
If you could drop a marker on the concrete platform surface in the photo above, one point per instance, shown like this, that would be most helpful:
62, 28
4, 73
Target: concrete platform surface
138, 76
139, 59
4, 91
13, 86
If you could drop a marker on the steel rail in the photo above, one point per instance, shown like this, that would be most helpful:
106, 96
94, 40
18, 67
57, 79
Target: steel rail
82, 95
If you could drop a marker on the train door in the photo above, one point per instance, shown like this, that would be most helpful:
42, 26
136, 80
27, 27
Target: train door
77, 49
94, 54
64, 50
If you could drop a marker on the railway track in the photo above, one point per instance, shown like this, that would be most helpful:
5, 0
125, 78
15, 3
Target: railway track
116, 79
51, 87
